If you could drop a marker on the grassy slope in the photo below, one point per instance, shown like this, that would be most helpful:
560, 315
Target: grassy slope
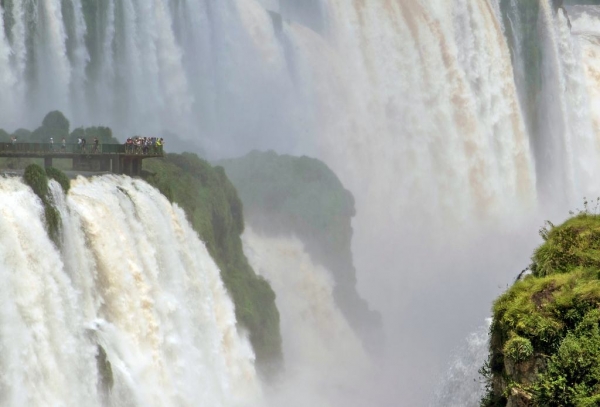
552, 317
215, 211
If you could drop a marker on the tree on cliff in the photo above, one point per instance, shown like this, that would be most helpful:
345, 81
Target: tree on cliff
55, 125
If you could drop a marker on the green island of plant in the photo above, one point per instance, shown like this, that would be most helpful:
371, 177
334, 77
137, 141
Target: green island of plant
38, 179
545, 335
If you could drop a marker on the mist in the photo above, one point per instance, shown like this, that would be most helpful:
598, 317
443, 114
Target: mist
419, 107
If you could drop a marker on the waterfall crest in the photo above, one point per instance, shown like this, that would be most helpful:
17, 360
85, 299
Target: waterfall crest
130, 308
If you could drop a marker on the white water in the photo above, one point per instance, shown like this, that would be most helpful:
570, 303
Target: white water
463, 386
584, 21
325, 361
131, 276
412, 103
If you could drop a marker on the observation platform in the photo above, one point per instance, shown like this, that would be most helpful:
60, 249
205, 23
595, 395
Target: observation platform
116, 158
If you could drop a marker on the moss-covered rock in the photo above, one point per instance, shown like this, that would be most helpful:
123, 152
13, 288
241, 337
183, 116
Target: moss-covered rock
545, 335
216, 213
285, 195
59, 177
36, 178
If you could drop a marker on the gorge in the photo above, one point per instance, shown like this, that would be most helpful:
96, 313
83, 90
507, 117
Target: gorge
457, 126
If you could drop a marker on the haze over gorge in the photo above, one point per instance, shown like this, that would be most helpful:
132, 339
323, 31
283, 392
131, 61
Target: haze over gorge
373, 174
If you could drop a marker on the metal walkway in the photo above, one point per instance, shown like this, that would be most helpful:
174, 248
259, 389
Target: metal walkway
116, 158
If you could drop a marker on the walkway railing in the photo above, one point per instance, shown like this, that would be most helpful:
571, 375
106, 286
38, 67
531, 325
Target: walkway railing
71, 148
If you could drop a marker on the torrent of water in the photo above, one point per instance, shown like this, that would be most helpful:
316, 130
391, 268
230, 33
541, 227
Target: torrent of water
417, 105
317, 339
129, 309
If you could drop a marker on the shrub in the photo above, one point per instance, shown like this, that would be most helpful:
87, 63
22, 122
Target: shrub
553, 314
573, 374
36, 178
518, 349
572, 244
59, 177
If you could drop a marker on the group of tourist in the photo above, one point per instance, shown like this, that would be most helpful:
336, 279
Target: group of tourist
134, 145
143, 145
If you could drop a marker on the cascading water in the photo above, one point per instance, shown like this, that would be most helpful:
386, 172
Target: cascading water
564, 111
463, 386
584, 22
416, 105
128, 310
322, 352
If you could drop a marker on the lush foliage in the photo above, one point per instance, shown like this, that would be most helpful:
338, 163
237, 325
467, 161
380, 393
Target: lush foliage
59, 177
552, 316
573, 373
575, 244
518, 348
216, 213
36, 178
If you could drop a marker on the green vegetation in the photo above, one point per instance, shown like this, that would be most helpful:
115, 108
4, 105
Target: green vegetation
36, 178
545, 337
59, 177
301, 196
215, 211
518, 349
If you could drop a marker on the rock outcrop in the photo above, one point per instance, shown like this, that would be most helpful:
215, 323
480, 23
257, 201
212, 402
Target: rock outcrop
545, 335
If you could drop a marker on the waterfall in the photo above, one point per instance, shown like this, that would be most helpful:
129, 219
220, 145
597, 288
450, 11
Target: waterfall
564, 110
401, 90
463, 386
422, 93
449, 121
324, 357
129, 309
